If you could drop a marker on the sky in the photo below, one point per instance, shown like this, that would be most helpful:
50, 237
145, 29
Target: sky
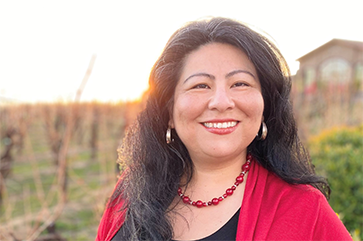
46, 46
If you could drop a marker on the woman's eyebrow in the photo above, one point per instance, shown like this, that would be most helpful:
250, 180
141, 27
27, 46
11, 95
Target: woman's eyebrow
239, 71
212, 77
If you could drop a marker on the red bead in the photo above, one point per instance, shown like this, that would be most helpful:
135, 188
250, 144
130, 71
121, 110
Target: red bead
233, 188
246, 167
220, 199
179, 191
186, 199
194, 203
249, 156
215, 201
199, 204
225, 195
236, 183
205, 204
239, 179
229, 192
210, 203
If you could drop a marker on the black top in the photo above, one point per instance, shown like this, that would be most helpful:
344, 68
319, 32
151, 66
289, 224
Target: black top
227, 232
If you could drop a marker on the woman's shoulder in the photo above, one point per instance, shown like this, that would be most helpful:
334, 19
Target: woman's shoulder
303, 208
284, 190
282, 197
296, 199
276, 189
113, 216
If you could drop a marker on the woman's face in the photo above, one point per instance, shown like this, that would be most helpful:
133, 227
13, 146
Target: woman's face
218, 104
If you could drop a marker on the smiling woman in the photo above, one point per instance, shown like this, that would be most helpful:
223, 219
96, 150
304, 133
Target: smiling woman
215, 154
218, 105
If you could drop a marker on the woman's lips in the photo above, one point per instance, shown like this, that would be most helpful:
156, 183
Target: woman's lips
221, 127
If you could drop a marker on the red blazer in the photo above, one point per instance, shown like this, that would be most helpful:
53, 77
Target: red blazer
271, 210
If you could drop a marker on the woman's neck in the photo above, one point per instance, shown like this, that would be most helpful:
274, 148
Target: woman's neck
208, 164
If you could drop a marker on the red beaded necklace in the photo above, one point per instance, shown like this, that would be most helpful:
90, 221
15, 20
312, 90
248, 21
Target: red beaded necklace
229, 191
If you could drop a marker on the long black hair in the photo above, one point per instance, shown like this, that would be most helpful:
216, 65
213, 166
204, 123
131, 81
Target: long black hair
154, 168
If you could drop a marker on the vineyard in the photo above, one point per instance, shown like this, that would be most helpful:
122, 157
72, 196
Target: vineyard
58, 161
58, 165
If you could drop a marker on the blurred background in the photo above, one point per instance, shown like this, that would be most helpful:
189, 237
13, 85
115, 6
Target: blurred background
74, 75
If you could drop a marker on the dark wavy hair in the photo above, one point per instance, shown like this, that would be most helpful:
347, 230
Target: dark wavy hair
154, 168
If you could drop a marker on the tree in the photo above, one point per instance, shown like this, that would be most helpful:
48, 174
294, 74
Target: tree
337, 155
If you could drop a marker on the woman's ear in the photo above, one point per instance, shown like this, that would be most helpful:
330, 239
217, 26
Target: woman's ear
171, 123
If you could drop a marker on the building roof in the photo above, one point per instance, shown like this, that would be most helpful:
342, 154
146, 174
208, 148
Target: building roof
349, 43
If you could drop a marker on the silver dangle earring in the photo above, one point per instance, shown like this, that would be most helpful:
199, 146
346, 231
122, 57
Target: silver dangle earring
168, 136
263, 132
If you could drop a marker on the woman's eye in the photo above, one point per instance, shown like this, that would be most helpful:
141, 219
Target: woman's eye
238, 84
201, 86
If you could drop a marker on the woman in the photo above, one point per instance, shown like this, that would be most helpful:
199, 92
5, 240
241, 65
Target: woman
215, 154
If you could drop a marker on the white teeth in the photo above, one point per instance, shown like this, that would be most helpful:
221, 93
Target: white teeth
220, 125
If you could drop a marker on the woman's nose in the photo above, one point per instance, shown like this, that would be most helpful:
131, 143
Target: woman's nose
221, 100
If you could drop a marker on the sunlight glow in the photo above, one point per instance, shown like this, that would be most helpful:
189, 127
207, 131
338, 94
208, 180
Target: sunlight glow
48, 44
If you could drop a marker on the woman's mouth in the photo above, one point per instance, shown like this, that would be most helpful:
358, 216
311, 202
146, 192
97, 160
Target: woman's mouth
220, 125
